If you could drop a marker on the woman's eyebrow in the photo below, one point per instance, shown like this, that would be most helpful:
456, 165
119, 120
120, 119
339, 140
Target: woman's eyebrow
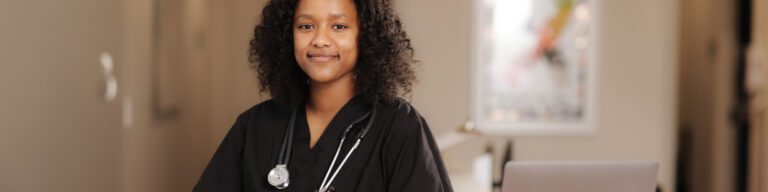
308, 16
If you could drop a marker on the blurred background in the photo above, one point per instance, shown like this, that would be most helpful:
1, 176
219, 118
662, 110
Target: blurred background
136, 95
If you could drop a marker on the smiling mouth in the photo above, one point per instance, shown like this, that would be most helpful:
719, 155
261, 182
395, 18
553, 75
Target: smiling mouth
322, 57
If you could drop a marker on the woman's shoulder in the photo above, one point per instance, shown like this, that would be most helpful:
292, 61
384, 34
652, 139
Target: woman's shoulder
402, 117
268, 109
399, 107
267, 105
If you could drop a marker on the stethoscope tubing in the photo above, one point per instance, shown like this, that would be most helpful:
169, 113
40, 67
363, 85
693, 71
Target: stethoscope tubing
324, 185
285, 149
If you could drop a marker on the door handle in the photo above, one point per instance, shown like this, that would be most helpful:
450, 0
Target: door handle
110, 82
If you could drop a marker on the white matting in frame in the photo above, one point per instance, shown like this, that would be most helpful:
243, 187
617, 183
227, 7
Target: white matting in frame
535, 67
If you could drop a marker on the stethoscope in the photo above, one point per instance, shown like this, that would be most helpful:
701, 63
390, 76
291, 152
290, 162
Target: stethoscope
278, 176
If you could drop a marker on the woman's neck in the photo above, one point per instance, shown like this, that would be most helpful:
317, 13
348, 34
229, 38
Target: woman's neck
328, 98
325, 100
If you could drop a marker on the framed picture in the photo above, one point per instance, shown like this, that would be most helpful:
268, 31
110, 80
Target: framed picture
534, 67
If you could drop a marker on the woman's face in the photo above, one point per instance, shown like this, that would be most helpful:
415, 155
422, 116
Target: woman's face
325, 38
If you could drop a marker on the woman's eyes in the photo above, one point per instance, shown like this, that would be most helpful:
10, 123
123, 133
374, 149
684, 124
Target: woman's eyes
339, 27
306, 26
335, 27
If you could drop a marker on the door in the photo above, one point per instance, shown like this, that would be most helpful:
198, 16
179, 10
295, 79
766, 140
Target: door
757, 59
59, 128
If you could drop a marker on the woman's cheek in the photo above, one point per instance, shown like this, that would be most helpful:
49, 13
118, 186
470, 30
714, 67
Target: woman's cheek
349, 46
300, 46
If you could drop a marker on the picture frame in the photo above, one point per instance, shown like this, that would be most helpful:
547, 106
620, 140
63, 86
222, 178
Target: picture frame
534, 67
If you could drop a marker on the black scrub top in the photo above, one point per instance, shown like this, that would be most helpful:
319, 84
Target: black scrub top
398, 153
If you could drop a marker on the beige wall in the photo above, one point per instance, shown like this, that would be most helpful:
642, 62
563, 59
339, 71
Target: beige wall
58, 132
170, 155
161, 154
233, 86
225, 83
637, 83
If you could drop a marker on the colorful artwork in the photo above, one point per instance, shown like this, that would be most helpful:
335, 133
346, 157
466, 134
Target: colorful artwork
534, 66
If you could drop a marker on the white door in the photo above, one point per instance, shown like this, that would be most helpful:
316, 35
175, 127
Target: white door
58, 132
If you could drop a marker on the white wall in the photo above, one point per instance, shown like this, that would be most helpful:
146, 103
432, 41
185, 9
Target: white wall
637, 84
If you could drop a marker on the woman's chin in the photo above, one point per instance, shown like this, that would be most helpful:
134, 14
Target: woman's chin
327, 74
325, 78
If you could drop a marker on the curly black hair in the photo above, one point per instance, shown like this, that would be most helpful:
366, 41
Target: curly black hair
384, 64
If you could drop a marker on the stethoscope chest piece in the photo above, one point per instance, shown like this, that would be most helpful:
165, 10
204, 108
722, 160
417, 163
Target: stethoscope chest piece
278, 177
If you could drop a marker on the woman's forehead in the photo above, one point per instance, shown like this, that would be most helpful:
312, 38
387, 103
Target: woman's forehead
325, 8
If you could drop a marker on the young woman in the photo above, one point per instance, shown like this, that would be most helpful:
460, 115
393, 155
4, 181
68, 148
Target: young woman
335, 70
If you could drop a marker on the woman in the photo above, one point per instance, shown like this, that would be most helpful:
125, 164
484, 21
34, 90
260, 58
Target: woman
335, 70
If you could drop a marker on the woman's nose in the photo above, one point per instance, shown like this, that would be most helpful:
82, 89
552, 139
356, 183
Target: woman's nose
321, 39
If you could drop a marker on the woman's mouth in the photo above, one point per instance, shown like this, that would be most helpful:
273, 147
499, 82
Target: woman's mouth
322, 57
